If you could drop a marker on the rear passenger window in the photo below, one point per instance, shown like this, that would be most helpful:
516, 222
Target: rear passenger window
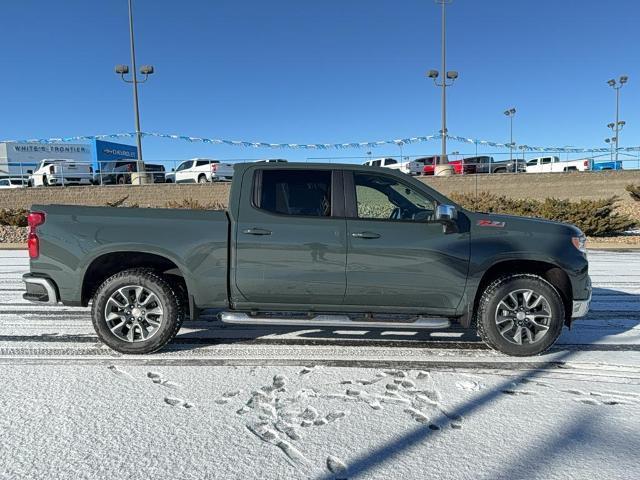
201, 163
295, 192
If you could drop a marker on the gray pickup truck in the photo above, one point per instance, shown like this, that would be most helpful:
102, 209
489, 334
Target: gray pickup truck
312, 244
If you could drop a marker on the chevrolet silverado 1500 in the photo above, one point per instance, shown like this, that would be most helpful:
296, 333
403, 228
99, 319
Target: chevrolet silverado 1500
330, 242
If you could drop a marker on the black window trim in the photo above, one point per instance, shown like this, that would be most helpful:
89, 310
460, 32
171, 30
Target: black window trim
337, 193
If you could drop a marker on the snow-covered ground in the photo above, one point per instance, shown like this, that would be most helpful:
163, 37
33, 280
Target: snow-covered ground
238, 402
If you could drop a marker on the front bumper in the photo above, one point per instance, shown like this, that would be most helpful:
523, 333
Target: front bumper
581, 307
40, 290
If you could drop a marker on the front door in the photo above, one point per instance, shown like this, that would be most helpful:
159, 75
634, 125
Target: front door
396, 255
290, 238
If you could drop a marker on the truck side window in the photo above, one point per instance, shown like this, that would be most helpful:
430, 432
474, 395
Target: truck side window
385, 198
296, 192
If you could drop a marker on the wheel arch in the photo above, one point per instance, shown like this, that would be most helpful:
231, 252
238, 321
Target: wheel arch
553, 274
107, 264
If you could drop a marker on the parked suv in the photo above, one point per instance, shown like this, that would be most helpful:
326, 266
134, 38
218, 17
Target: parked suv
119, 172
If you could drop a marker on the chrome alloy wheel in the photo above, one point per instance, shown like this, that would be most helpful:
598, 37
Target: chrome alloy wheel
133, 313
523, 316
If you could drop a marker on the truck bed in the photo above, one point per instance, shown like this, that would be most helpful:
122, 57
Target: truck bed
73, 238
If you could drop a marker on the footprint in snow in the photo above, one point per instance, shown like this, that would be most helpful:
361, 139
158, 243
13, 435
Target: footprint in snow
337, 467
230, 394
120, 372
509, 391
157, 378
470, 385
269, 435
177, 402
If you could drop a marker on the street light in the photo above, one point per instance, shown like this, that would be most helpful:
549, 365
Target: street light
618, 124
442, 166
145, 70
611, 141
511, 113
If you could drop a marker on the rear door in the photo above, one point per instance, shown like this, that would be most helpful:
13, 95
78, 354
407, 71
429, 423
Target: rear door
396, 257
290, 238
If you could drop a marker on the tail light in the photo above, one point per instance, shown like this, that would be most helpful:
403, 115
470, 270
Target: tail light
586, 164
214, 167
34, 219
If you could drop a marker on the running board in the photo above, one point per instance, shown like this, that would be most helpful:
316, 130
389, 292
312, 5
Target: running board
332, 321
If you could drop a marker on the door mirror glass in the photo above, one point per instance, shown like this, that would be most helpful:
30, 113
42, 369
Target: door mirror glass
446, 213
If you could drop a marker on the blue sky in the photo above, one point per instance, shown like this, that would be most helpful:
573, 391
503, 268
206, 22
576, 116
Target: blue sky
320, 71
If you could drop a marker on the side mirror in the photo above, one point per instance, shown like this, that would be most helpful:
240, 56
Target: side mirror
173, 169
445, 213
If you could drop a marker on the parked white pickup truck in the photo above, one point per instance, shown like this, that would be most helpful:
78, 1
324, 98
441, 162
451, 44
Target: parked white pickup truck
201, 170
391, 163
554, 164
61, 172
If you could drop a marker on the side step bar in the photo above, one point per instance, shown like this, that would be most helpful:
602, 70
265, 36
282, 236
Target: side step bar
324, 320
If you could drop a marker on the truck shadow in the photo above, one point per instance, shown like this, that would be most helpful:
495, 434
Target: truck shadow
612, 324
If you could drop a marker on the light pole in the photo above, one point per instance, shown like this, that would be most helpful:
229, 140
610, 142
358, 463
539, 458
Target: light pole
145, 70
616, 128
511, 113
617, 86
442, 166
611, 141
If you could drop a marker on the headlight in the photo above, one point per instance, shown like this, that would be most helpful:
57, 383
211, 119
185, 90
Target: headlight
580, 243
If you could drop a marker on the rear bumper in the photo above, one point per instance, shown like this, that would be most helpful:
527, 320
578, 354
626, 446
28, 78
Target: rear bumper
40, 290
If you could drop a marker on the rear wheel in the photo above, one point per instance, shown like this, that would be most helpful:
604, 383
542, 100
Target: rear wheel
136, 311
202, 178
121, 181
520, 315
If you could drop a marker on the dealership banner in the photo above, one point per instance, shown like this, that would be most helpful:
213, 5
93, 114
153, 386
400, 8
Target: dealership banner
327, 146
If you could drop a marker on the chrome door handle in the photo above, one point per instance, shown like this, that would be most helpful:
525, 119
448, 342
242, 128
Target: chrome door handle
365, 235
257, 231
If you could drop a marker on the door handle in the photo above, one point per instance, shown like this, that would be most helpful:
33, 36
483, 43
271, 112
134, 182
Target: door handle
365, 235
257, 231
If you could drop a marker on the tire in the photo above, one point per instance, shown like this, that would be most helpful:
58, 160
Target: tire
500, 170
121, 181
488, 315
166, 299
202, 178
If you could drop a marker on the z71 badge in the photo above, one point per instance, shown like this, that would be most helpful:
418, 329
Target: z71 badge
490, 223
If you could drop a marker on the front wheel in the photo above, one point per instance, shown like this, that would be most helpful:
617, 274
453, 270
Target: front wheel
520, 315
136, 311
